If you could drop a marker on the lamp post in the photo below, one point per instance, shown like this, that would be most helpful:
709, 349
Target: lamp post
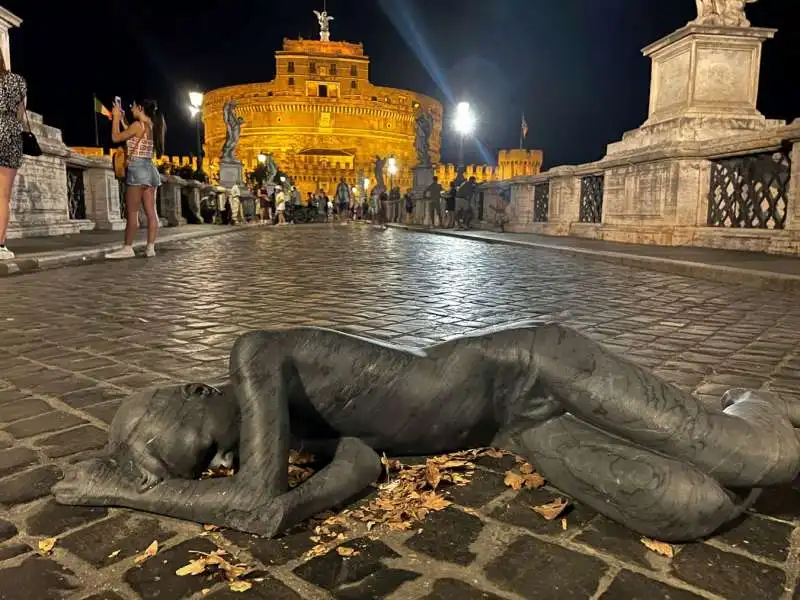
392, 171
196, 110
464, 124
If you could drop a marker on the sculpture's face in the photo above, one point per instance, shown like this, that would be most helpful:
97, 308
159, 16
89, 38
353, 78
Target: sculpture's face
176, 432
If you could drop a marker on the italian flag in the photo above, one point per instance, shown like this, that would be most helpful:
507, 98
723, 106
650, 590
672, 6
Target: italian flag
99, 108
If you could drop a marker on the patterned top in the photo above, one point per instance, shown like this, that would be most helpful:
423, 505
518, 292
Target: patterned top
141, 147
12, 92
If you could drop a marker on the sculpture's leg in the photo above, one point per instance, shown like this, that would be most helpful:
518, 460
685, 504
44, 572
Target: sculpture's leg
753, 445
651, 494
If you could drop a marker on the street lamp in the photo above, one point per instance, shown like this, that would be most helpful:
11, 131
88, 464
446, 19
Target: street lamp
262, 158
464, 124
195, 109
392, 171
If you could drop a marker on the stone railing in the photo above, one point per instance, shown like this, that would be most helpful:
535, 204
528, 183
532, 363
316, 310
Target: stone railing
738, 192
65, 192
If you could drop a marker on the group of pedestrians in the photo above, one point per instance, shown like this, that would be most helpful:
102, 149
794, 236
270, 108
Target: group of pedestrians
451, 209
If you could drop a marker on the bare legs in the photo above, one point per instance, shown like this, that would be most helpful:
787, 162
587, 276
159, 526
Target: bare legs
149, 202
7, 177
137, 196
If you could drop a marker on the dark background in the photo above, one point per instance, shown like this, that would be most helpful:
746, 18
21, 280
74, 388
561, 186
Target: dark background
573, 67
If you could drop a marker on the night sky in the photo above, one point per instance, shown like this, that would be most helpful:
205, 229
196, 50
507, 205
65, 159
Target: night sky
573, 67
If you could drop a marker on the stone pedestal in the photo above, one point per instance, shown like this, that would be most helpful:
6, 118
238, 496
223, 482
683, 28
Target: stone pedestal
39, 198
171, 202
231, 173
102, 195
704, 86
423, 178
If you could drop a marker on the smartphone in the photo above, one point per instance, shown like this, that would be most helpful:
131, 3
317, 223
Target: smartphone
118, 101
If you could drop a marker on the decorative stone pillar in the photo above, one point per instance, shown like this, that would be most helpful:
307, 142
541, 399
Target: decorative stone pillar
793, 216
171, 201
565, 198
102, 195
522, 203
8, 20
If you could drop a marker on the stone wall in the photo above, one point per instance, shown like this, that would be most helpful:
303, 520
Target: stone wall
661, 195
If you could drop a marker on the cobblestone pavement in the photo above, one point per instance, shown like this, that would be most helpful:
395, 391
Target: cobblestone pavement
74, 341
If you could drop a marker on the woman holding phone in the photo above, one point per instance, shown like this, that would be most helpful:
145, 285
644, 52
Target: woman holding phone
143, 138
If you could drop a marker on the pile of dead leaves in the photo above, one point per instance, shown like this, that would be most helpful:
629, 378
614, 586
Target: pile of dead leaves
214, 563
411, 492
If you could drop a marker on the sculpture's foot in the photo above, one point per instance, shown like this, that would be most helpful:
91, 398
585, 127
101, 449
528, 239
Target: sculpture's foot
651, 494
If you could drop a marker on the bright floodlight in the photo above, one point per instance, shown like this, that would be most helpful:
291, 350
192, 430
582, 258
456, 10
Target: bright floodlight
283, 179
392, 166
196, 99
262, 158
366, 182
465, 121
194, 111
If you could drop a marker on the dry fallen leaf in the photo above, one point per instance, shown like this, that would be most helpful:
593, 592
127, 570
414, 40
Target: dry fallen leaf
526, 469
432, 474
114, 554
552, 510
513, 480
210, 527
196, 567
533, 481
564, 524
149, 552
661, 548
46, 545
205, 591
240, 586
346, 552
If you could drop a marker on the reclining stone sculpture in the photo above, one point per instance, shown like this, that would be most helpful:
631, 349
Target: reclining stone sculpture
597, 426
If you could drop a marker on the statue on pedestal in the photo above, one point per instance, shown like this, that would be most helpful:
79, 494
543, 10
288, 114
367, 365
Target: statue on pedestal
722, 13
424, 126
233, 126
324, 25
598, 427
380, 163
270, 170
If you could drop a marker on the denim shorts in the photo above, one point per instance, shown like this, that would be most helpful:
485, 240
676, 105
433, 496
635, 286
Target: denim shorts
142, 171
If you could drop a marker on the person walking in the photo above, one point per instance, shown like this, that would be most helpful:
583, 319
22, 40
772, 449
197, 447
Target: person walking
433, 202
450, 205
409, 205
143, 138
13, 92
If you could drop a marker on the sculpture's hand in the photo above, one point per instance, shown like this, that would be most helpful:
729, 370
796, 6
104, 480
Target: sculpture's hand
92, 482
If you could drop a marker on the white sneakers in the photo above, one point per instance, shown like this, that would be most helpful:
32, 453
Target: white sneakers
127, 252
6, 254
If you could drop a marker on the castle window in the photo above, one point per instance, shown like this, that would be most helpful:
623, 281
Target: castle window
269, 93
374, 98
323, 91
291, 80
353, 71
312, 67
353, 85
333, 69
290, 67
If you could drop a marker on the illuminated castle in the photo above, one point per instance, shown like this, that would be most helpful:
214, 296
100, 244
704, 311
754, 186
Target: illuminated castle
322, 119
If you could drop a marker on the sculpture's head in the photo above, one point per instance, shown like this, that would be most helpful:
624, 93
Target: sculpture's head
175, 432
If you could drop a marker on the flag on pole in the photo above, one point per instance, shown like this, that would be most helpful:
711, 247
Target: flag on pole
101, 109
524, 127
